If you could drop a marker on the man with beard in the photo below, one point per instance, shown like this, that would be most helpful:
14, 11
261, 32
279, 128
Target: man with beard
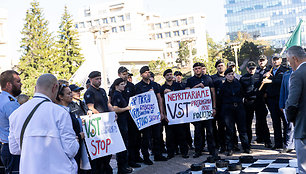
200, 81
177, 131
97, 101
11, 87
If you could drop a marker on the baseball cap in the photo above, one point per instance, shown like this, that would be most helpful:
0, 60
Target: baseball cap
74, 87
251, 65
122, 69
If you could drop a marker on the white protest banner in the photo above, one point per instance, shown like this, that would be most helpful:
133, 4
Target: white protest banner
144, 109
189, 105
102, 135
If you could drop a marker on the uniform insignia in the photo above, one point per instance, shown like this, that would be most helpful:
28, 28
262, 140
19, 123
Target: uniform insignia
88, 96
11, 98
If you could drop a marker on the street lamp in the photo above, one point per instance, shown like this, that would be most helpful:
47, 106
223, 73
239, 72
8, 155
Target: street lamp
236, 46
101, 33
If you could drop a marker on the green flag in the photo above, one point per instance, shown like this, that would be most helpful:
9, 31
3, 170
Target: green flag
295, 38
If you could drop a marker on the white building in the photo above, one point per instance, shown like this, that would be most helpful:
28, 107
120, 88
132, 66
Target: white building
4, 59
134, 37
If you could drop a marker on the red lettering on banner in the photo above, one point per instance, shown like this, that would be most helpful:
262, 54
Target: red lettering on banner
108, 142
94, 147
98, 143
207, 94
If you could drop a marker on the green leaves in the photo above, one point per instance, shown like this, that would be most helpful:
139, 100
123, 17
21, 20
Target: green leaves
43, 53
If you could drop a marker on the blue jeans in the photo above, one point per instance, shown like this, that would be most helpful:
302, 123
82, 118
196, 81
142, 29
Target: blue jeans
10, 162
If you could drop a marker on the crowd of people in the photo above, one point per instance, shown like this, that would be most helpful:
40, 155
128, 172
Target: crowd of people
44, 134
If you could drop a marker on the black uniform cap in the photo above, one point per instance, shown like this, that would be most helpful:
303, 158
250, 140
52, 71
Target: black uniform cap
218, 62
94, 74
229, 70
152, 74
277, 56
262, 57
122, 69
197, 64
231, 63
144, 69
251, 65
167, 71
178, 73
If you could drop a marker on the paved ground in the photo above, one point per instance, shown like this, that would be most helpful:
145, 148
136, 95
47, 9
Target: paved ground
178, 163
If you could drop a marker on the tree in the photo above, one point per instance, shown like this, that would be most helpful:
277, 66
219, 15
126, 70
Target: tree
37, 48
184, 53
69, 58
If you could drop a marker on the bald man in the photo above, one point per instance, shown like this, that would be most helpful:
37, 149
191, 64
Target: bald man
47, 144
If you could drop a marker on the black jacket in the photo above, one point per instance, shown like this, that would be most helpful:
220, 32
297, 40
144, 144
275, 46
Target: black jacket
273, 89
231, 92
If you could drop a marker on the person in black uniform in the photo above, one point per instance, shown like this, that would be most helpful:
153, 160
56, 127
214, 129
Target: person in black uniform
178, 79
233, 112
200, 81
177, 131
96, 100
249, 96
77, 106
121, 108
133, 132
261, 111
273, 84
146, 85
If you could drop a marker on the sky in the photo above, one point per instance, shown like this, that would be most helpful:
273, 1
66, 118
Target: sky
53, 10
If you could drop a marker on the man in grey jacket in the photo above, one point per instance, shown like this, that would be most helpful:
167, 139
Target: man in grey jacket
295, 105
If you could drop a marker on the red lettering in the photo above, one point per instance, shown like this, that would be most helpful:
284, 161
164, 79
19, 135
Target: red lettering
108, 142
102, 144
98, 143
94, 147
207, 94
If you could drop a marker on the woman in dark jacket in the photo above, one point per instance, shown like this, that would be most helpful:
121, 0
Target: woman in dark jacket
233, 112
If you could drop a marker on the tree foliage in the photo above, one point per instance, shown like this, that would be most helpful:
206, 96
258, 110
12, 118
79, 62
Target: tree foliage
183, 53
37, 47
69, 58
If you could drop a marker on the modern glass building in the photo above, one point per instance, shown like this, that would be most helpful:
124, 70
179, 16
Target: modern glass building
271, 20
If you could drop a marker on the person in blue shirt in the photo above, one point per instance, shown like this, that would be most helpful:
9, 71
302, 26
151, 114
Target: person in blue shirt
284, 92
11, 87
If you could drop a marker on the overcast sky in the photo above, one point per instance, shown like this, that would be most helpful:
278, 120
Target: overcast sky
53, 9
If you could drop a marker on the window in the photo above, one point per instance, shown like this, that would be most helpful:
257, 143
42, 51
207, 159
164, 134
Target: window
184, 21
176, 33
192, 31
113, 19
97, 22
191, 20
87, 12
76, 26
167, 24
122, 28
159, 36
88, 24
104, 20
169, 44
175, 23
127, 16
114, 30
82, 25
158, 26
121, 18
185, 32
168, 34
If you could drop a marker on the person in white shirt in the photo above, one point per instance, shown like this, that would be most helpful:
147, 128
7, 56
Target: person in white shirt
49, 142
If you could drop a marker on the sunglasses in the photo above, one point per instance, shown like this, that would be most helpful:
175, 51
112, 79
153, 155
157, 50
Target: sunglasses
60, 88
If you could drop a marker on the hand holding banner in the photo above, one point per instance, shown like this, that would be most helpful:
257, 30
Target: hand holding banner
102, 135
189, 105
144, 109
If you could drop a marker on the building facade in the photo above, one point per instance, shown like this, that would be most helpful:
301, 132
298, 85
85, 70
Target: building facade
129, 36
4, 58
271, 20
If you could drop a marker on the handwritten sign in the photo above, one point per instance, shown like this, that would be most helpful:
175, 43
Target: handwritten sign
189, 105
102, 135
144, 109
